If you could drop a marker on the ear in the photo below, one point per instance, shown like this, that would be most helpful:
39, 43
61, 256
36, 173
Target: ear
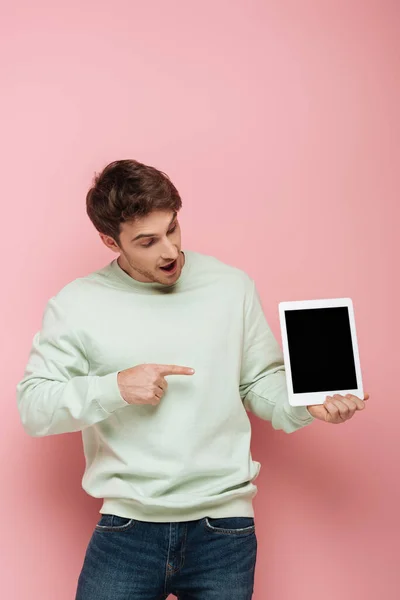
109, 242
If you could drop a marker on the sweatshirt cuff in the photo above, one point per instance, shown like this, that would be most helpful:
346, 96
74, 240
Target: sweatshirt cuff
301, 413
109, 396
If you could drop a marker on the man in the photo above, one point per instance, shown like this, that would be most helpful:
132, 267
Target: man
170, 459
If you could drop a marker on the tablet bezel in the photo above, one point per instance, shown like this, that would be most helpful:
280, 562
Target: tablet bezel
308, 398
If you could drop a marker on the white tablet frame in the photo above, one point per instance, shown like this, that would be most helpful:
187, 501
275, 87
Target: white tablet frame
306, 399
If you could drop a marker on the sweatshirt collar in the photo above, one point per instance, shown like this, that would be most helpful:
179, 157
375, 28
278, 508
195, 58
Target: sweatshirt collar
151, 287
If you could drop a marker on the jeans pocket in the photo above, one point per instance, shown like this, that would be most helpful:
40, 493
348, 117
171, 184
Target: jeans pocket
114, 523
230, 525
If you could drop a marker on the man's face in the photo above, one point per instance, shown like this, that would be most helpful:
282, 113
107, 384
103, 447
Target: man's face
148, 244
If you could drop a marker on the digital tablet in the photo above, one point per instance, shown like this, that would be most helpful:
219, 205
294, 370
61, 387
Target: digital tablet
320, 350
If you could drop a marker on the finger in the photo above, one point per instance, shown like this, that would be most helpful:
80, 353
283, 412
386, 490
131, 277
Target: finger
334, 410
157, 396
163, 384
174, 370
350, 402
159, 392
344, 411
360, 404
347, 407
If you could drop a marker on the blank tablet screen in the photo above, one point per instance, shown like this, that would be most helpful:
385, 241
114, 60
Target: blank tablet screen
320, 349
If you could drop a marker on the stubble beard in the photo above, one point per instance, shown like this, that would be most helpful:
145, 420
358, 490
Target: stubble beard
150, 275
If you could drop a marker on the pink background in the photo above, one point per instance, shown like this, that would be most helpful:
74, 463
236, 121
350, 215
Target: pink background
279, 124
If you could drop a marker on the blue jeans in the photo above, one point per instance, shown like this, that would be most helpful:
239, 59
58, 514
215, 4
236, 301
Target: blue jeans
206, 559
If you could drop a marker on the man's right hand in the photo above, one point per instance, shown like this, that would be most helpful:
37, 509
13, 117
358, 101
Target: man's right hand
146, 384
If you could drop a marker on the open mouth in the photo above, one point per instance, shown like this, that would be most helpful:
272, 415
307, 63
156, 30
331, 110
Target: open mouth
169, 267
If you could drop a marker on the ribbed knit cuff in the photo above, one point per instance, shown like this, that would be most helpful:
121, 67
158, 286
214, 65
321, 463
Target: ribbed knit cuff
109, 396
301, 413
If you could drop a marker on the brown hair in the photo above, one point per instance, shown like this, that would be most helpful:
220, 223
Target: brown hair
126, 189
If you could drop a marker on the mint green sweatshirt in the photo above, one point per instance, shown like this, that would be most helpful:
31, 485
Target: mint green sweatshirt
189, 456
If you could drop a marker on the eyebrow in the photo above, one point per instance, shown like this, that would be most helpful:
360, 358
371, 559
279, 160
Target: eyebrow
145, 235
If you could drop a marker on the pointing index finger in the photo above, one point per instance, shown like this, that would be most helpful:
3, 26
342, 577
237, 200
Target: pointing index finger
175, 370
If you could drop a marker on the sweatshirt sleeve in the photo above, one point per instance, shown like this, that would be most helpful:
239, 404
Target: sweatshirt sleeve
56, 394
262, 379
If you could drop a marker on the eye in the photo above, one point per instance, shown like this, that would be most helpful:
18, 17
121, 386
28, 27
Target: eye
151, 242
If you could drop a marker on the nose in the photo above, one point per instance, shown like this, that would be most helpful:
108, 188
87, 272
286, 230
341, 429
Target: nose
170, 251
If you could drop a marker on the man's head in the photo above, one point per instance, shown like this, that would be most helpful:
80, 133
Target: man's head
134, 208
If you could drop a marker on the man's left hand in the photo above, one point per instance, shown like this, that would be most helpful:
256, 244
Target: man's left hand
337, 409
